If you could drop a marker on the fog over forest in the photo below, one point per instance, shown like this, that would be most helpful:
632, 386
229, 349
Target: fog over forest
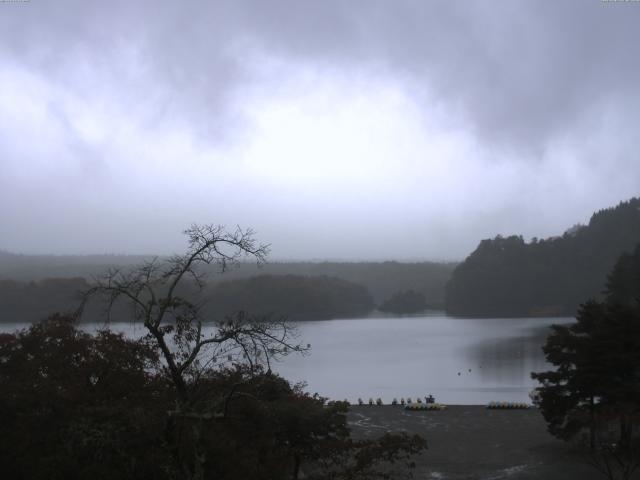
360, 130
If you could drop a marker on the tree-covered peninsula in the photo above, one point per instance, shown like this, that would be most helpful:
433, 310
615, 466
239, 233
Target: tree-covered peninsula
508, 276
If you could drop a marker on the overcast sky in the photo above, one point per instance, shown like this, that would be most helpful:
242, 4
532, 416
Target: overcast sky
355, 129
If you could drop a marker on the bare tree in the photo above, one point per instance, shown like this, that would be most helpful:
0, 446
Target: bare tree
155, 291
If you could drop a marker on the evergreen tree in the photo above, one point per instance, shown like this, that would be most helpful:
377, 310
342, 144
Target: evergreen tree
596, 384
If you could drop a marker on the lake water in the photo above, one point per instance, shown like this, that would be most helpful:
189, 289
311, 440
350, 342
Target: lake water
459, 361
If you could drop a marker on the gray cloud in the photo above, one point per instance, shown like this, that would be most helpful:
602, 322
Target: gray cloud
522, 72
122, 100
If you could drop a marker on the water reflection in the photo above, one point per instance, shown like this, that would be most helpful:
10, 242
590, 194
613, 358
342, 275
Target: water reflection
460, 361
508, 360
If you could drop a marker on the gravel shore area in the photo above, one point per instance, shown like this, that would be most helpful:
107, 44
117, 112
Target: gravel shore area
472, 442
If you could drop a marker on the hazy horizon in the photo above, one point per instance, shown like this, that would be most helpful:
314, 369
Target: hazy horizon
270, 260
346, 131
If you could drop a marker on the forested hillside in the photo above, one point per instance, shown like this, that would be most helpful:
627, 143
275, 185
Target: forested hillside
408, 301
291, 296
382, 279
34, 301
280, 296
32, 287
509, 276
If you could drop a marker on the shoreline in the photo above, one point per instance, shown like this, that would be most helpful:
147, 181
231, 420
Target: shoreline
473, 442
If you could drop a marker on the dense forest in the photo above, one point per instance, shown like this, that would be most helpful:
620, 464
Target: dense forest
34, 301
285, 296
291, 296
408, 301
382, 279
31, 287
508, 276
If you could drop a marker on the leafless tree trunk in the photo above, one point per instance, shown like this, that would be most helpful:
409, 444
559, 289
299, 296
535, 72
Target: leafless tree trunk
176, 326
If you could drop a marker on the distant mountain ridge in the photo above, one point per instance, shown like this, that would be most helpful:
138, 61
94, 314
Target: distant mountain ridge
507, 276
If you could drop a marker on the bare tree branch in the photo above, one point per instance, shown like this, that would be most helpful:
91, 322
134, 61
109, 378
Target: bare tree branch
152, 289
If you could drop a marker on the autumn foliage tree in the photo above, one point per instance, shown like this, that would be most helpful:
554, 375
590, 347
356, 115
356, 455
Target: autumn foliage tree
80, 406
74, 406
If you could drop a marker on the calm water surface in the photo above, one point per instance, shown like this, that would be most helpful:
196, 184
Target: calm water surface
459, 361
